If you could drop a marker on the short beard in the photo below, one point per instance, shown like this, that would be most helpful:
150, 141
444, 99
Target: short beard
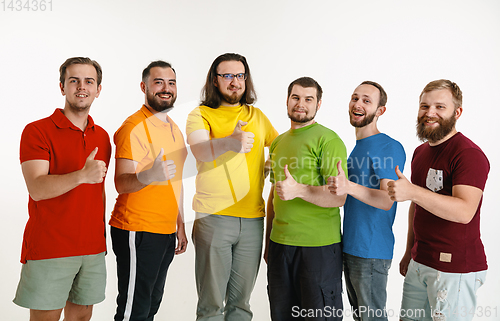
302, 120
367, 121
77, 108
231, 99
160, 106
437, 134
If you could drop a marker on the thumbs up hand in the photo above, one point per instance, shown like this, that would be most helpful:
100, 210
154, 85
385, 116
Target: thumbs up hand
94, 170
243, 140
338, 185
400, 190
162, 170
287, 189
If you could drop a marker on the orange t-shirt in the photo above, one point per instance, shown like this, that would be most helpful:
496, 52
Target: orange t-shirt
154, 208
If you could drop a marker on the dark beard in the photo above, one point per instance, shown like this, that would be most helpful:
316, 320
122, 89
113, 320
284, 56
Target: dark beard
368, 120
158, 105
437, 134
302, 120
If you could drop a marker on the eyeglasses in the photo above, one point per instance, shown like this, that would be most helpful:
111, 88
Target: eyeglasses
230, 77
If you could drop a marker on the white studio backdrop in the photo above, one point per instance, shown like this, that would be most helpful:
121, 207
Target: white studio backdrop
402, 45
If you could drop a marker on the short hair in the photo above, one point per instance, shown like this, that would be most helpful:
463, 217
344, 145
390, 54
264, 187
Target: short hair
210, 94
383, 95
79, 61
306, 82
445, 84
158, 63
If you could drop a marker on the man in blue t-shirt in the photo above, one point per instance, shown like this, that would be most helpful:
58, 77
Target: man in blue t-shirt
368, 211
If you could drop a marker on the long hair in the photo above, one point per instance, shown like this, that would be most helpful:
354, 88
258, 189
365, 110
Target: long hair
210, 95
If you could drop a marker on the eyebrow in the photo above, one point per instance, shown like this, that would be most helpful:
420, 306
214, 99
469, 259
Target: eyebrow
87, 78
165, 79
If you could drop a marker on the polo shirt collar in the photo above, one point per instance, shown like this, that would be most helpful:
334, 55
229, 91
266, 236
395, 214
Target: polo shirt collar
61, 121
153, 119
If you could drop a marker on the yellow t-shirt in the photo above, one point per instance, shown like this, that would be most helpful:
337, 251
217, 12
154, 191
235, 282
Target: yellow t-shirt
154, 208
232, 184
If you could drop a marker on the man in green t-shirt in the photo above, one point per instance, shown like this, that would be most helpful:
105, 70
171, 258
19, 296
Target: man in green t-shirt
303, 249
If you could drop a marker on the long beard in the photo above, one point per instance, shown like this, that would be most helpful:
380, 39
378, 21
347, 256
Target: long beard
433, 135
159, 105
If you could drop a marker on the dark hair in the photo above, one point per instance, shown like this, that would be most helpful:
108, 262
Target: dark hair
158, 63
79, 61
445, 84
210, 95
306, 82
383, 95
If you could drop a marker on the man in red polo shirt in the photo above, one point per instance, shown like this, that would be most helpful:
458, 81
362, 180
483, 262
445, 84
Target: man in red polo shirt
64, 159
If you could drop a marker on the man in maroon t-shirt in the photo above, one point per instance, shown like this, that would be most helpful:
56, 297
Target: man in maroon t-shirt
444, 253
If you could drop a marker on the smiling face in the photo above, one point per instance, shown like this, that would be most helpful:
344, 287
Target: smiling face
302, 105
160, 89
231, 91
363, 106
437, 116
80, 87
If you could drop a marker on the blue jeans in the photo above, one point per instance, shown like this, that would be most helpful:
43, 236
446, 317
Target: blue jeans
228, 253
366, 283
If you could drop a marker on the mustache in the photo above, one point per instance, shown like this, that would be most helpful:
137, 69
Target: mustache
165, 93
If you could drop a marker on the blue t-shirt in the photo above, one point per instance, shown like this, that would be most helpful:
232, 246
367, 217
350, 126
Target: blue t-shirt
368, 230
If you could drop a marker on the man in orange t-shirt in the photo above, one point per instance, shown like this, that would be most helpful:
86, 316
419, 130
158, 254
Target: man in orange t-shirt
150, 155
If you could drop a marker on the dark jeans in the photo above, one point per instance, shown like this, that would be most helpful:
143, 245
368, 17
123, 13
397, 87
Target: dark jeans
305, 283
142, 261
366, 283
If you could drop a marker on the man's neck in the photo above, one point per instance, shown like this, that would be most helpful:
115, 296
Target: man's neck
77, 118
160, 115
295, 125
450, 135
367, 131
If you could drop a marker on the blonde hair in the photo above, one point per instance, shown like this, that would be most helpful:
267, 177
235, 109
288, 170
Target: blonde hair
445, 84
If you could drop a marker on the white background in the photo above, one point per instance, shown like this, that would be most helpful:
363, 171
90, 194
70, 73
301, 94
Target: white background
400, 44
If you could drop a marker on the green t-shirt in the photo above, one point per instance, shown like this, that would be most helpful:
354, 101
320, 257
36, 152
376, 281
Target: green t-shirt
312, 153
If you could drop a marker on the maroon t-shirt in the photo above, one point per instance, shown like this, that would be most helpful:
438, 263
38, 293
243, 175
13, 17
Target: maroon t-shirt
441, 244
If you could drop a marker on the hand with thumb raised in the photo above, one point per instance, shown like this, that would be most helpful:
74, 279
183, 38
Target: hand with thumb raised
242, 140
93, 171
400, 190
287, 189
338, 185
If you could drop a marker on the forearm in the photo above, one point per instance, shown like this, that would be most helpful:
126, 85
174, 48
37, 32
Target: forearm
378, 198
451, 208
49, 186
209, 150
320, 196
130, 182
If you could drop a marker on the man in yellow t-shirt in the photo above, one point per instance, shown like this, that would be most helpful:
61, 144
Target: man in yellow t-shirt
150, 155
227, 136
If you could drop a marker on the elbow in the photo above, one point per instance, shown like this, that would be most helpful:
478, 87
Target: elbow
466, 218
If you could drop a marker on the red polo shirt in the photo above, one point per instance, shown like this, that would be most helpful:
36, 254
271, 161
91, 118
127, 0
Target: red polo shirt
71, 224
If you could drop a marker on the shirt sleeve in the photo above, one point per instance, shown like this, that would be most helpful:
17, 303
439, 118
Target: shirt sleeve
333, 152
33, 144
471, 167
196, 121
384, 164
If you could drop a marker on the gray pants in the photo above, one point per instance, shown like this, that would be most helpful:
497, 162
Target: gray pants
228, 253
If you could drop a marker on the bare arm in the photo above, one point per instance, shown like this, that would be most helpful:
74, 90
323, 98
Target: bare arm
460, 207
269, 222
205, 149
42, 185
410, 238
317, 195
128, 181
182, 240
